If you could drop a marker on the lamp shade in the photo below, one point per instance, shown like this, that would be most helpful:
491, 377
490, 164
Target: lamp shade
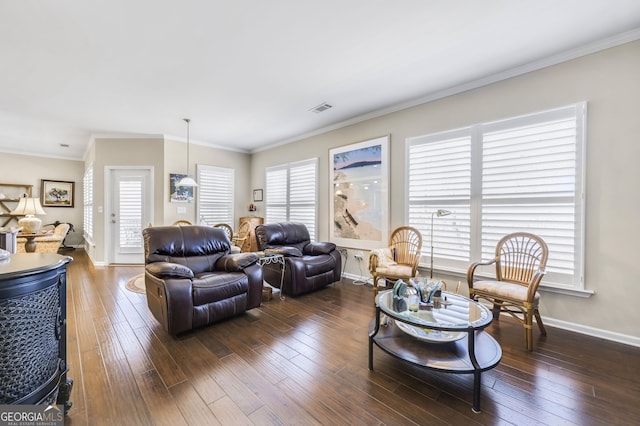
187, 181
29, 207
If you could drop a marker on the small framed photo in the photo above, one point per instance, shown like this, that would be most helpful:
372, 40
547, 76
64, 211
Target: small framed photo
57, 193
257, 195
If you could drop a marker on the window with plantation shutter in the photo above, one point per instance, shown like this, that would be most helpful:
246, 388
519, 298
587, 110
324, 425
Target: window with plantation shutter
87, 187
519, 174
291, 194
215, 195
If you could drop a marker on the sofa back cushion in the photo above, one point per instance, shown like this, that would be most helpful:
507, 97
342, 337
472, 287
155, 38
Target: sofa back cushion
291, 235
198, 247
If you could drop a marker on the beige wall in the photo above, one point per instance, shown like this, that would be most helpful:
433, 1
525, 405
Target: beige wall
175, 162
165, 156
609, 81
25, 169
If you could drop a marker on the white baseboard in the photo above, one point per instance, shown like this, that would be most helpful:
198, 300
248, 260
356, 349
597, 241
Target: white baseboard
593, 332
358, 278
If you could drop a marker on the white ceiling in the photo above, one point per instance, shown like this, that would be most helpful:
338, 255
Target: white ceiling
247, 72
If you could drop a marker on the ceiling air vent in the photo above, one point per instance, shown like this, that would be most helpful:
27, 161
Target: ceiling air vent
322, 107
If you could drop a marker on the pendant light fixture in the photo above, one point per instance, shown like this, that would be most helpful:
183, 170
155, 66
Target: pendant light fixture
187, 180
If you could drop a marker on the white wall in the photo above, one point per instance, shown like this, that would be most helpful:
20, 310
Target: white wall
610, 83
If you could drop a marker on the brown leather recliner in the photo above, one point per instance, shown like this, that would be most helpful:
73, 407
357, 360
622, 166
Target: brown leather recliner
309, 265
192, 279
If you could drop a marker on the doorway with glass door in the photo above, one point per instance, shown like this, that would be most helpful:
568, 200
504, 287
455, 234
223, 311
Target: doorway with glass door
130, 210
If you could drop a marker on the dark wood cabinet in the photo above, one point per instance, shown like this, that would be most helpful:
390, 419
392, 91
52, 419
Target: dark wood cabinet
33, 333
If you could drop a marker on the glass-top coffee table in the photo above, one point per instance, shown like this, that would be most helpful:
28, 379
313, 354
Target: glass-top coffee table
447, 338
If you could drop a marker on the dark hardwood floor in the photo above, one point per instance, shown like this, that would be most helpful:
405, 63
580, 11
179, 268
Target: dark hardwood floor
304, 361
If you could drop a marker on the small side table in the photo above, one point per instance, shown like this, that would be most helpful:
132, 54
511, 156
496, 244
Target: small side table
272, 258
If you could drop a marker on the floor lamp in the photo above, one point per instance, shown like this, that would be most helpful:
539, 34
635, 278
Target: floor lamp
439, 213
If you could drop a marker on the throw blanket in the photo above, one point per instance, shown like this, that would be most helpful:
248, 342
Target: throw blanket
385, 257
387, 265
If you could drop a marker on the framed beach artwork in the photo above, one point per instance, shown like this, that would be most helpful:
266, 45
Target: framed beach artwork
359, 203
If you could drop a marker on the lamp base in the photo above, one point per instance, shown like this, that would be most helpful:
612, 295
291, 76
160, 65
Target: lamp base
30, 224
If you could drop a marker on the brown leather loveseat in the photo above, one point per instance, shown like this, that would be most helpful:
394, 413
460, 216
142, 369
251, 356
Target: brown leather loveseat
309, 265
192, 279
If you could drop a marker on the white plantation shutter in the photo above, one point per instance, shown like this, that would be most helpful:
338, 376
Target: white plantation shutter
130, 213
440, 178
87, 183
519, 174
215, 195
532, 182
276, 194
302, 194
291, 194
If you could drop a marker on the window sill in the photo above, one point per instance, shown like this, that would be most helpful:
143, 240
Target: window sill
577, 292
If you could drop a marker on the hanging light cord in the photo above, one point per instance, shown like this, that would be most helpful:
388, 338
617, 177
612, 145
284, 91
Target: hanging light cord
188, 120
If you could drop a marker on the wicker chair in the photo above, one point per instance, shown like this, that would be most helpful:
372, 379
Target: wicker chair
398, 261
228, 230
520, 261
242, 236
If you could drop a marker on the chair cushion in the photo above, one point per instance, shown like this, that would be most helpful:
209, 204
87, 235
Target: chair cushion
505, 289
211, 287
395, 270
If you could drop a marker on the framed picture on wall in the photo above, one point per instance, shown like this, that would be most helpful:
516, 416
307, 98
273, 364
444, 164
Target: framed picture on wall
359, 199
257, 195
57, 193
179, 194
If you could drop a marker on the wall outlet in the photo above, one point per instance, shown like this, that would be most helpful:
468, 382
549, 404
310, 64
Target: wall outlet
358, 255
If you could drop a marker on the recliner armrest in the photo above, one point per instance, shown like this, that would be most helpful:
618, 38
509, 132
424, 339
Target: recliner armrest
236, 262
169, 269
316, 248
284, 250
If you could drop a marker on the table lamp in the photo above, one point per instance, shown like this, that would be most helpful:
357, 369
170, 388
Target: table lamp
29, 207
